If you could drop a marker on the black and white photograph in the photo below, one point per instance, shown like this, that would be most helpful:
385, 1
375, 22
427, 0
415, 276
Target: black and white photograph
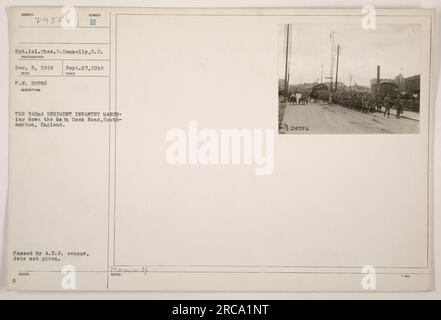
346, 79
141, 158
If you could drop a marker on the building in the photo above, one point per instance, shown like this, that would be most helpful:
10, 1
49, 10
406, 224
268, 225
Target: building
374, 81
360, 88
412, 84
400, 81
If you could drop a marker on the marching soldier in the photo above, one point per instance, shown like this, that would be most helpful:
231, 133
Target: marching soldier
379, 104
372, 104
398, 106
365, 103
387, 105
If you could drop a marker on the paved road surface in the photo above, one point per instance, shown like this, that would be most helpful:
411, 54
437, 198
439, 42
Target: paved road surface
323, 118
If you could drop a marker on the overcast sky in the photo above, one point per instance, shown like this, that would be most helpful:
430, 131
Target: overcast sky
395, 47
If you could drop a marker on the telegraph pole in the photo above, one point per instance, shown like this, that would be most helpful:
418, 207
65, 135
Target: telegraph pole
332, 66
286, 63
378, 81
321, 76
350, 82
336, 72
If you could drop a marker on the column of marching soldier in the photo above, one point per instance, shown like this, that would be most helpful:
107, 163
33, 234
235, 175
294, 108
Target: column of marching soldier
369, 102
364, 102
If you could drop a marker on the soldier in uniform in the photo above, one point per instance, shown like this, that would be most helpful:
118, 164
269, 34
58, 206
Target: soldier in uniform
372, 103
387, 105
379, 104
398, 106
356, 103
365, 103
